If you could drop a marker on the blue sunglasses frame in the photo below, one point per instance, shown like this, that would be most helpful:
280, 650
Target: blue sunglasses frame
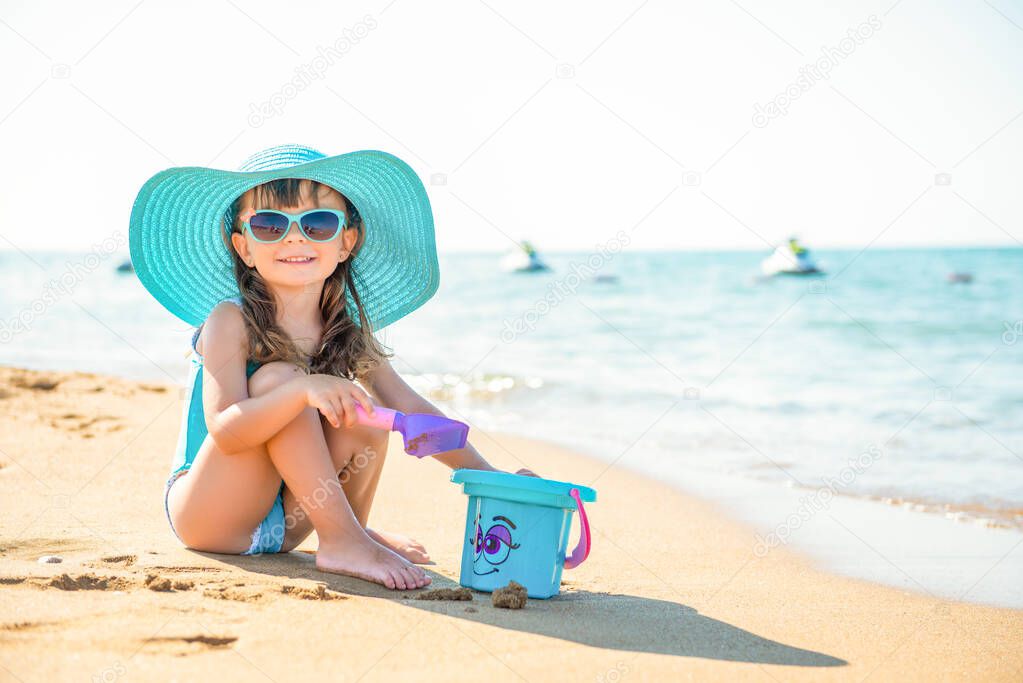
342, 223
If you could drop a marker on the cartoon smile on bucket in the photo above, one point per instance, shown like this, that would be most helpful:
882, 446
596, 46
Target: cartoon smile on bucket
493, 546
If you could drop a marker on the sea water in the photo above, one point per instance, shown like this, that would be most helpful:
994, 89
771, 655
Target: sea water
880, 379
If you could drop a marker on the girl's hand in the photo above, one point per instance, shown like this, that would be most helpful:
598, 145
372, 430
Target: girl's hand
527, 473
335, 398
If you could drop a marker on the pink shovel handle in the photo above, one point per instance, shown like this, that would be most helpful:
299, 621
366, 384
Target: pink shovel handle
383, 418
582, 550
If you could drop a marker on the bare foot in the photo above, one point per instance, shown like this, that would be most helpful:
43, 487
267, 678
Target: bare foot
366, 559
409, 548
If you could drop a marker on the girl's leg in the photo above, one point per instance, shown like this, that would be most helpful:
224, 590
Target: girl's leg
360, 477
299, 454
358, 454
344, 444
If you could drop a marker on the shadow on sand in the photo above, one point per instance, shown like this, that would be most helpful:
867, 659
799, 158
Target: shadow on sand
604, 620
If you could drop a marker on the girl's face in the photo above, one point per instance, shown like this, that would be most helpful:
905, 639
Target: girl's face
269, 259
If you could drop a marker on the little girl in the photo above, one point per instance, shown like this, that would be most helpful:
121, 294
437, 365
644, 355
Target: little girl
288, 267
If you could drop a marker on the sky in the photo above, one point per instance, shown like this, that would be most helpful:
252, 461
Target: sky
693, 125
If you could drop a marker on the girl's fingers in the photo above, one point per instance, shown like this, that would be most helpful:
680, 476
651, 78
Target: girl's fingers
364, 401
329, 414
349, 408
337, 410
329, 411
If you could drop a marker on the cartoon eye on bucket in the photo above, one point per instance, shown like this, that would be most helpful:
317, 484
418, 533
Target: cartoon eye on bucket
477, 540
497, 542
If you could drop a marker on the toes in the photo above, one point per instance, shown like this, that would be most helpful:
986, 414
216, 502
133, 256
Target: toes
400, 581
403, 572
419, 576
407, 577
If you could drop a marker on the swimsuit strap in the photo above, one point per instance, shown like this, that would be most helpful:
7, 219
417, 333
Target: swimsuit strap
237, 300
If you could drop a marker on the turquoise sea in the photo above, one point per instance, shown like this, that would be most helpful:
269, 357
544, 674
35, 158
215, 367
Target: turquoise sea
881, 378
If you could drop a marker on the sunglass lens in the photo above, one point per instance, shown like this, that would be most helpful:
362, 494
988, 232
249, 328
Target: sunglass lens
320, 225
268, 227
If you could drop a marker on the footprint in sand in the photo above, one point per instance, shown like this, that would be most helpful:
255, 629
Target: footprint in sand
27, 625
242, 592
320, 592
123, 560
90, 581
185, 569
80, 582
163, 584
40, 384
75, 422
169, 579
235, 593
186, 645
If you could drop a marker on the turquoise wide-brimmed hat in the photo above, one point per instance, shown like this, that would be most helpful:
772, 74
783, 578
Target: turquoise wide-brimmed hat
180, 256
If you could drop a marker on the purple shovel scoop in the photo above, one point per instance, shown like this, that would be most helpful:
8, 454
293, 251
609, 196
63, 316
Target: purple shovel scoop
423, 434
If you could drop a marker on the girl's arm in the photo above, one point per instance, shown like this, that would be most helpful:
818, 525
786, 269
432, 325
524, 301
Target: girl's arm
236, 422
390, 390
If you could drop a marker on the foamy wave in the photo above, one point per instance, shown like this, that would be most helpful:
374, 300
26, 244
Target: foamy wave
483, 386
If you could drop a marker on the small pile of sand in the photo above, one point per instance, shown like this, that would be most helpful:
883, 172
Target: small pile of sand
163, 584
67, 582
460, 593
512, 596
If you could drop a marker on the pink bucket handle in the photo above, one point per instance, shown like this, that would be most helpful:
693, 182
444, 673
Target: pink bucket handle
582, 550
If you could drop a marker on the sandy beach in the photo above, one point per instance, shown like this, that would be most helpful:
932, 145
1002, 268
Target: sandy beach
671, 591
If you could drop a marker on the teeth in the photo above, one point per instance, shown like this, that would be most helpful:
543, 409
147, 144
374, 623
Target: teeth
297, 259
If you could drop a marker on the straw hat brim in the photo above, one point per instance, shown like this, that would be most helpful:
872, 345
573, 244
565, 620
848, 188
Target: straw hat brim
180, 256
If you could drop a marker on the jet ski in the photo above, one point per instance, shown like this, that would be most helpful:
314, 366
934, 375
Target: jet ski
525, 260
791, 259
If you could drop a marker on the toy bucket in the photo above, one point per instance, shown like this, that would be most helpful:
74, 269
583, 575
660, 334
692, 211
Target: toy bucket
517, 529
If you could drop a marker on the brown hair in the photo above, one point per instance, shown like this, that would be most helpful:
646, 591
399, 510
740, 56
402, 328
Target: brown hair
347, 350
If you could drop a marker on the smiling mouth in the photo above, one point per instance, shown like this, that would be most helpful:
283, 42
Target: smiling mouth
483, 573
297, 262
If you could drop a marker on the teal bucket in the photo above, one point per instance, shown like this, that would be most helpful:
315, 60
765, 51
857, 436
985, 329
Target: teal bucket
516, 529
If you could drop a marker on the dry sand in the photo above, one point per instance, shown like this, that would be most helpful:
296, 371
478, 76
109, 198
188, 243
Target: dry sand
672, 589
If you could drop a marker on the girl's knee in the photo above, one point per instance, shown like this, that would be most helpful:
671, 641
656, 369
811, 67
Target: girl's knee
357, 448
272, 375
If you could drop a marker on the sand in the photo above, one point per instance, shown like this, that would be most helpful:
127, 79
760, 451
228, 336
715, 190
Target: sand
672, 588
512, 596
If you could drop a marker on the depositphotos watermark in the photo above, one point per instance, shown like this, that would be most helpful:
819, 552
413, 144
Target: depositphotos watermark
110, 674
818, 500
311, 71
1012, 333
814, 72
359, 462
614, 674
74, 273
561, 289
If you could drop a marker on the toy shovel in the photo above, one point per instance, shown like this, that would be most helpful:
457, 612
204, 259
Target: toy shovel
424, 434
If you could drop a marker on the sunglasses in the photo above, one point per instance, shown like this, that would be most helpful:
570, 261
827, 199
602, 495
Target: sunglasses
318, 225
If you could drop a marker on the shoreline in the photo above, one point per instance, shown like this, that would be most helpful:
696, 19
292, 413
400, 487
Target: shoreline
858, 536
672, 587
